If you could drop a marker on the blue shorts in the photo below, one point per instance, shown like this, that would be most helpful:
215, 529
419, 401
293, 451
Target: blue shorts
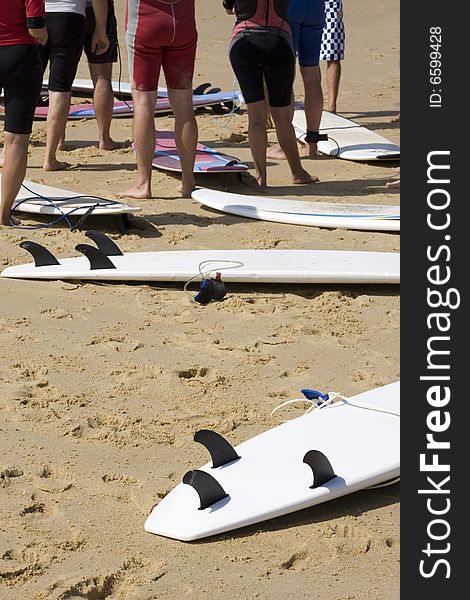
306, 20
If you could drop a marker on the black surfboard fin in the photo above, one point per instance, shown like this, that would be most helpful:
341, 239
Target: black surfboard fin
209, 489
220, 450
321, 467
97, 259
42, 256
104, 243
223, 108
214, 90
200, 89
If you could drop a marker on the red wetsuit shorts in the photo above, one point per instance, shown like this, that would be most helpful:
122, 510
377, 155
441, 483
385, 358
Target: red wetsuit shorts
161, 33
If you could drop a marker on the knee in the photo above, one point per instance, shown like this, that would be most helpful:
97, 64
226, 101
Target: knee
257, 123
16, 139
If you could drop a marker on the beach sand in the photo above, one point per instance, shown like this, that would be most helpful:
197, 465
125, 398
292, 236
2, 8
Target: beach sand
103, 386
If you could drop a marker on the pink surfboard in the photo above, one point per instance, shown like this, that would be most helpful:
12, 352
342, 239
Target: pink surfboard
126, 109
208, 160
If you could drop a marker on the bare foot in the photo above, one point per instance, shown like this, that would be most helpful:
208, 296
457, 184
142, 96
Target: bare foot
396, 119
309, 151
140, 192
261, 181
187, 190
8, 221
61, 146
55, 165
304, 177
276, 153
110, 145
394, 185
332, 109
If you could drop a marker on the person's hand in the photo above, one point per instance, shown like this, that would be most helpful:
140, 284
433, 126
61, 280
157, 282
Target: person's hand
99, 42
39, 35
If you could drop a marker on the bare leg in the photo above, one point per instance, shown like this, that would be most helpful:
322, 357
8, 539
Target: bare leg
14, 169
186, 134
333, 76
282, 117
257, 136
313, 103
143, 129
59, 106
103, 100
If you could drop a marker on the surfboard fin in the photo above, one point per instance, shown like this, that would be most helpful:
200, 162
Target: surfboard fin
220, 450
97, 259
321, 468
209, 489
223, 108
104, 243
42, 256
200, 89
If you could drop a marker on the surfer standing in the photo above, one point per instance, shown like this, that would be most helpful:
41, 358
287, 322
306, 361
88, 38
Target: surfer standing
65, 21
22, 27
162, 34
261, 50
100, 65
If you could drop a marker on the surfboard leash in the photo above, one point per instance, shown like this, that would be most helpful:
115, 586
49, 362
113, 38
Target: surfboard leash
64, 215
211, 287
318, 400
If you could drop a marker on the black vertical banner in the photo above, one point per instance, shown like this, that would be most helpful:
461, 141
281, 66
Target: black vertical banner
435, 357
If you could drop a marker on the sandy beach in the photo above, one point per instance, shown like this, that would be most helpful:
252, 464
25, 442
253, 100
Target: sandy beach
102, 387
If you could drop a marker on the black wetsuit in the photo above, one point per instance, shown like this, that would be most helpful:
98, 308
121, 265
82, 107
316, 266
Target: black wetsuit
261, 50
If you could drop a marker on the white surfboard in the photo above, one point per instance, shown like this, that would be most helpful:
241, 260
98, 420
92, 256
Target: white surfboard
299, 212
267, 477
347, 139
123, 89
256, 266
35, 198
120, 88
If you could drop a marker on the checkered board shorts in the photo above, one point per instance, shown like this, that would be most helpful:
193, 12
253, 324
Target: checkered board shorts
332, 43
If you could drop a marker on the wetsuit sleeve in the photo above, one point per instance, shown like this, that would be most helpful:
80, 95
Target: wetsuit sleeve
228, 4
35, 14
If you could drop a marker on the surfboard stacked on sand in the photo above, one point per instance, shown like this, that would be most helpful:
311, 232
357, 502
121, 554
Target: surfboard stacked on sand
347, 139
37, 199
368, 217
207, 160
203, 96
106, 261
337, 449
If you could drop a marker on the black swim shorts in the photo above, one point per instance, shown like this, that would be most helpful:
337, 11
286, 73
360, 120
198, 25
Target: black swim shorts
264, 56
20, 78
111, 54
64, 48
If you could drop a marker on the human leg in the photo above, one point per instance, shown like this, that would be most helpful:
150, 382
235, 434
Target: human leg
13, 172
332, 49
101, 70
103, 102
288, 142
186, 134
59, 106
258, 138
20, 76
333, 76
313, 104
66, 34
143, 130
